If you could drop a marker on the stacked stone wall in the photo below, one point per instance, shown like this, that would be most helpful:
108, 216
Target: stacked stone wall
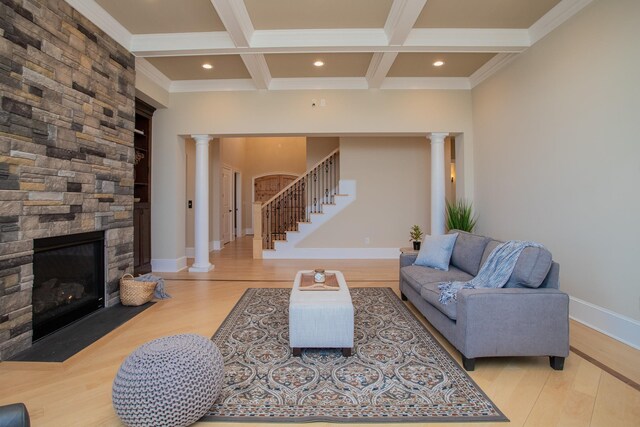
67, 111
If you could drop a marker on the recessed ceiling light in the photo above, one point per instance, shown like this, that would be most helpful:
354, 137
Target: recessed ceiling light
318, 63
438, 63
207, 66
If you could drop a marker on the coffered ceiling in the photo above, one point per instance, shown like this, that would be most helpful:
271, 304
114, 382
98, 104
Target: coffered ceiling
363, 44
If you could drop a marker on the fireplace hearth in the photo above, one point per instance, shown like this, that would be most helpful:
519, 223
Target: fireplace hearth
68, 280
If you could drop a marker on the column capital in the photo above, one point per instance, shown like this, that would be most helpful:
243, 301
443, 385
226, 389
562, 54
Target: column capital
201, 138
438, 137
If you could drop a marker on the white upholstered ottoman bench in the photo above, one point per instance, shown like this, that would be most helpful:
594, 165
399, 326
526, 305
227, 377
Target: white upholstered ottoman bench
321, 319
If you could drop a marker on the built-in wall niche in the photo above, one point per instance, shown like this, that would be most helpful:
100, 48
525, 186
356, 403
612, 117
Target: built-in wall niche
142, 188
142, 144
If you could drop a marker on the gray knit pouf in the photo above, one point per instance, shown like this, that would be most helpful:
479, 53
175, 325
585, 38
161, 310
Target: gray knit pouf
171, 381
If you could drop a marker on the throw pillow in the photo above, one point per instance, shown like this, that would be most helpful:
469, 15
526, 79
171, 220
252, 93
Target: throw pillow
435, 251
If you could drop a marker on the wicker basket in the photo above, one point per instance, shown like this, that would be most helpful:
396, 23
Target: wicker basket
134, 292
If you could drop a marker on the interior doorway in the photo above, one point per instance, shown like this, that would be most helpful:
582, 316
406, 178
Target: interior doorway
237, 205
265, 187
227, 205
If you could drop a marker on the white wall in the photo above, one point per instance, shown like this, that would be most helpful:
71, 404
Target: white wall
557, 158
258, 113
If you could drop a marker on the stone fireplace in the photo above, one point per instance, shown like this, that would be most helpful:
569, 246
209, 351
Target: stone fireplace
66, 152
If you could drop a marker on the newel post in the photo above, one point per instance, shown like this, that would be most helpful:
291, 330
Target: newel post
257, 230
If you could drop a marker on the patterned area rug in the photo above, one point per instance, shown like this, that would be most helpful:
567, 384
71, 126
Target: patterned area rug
398, 373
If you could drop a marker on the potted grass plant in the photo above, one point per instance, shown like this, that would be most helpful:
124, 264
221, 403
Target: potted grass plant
460, 216
416, 236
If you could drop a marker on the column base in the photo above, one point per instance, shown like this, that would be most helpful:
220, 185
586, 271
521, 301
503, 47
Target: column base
200, 268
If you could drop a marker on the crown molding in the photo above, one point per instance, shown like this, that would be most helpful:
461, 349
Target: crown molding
258, 68
550, 21
379, 67
555, 17
491, 67
437, 83
468, 40
183, 44
319, 83
152, 73
220, 85
401, 18
288, 39
107, 23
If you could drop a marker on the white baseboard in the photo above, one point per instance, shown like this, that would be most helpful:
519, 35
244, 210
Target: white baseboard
168, 265
333, 253
617, 326
249, 230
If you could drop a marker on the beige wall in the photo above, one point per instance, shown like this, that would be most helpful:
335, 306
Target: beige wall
233, 152
449, 187
392, 177
260, 113
320, 147
269, 155
557, 152
190, 153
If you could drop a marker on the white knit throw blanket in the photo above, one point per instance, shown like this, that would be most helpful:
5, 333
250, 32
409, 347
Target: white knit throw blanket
494, 273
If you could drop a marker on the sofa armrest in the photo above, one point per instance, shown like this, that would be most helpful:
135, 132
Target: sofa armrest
407, 259
513, 322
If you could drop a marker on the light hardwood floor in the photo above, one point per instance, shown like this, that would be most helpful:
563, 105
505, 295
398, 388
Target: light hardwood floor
78, 391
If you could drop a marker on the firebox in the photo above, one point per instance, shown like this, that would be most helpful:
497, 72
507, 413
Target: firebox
68, 280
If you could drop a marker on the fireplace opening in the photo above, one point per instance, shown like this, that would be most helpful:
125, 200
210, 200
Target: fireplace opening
68, 280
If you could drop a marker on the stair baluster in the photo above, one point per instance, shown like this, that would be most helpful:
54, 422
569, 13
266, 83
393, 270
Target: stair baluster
298, 200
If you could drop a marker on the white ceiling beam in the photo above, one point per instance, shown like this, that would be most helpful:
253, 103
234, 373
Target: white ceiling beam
469, 39
236, 20
402, 17
444, 83
300, 41
318, 83
265, 39
215, 85
329, 83
181, 44
257, 66
379, 67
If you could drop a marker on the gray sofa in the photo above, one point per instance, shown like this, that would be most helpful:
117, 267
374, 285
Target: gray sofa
528, 317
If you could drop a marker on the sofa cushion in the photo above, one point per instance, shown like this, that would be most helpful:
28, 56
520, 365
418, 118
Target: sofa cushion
468, 251
530, 270
431, 294
436, 251
416, 276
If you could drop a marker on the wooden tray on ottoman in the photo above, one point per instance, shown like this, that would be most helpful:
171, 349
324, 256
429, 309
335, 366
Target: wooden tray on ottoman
307, 283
